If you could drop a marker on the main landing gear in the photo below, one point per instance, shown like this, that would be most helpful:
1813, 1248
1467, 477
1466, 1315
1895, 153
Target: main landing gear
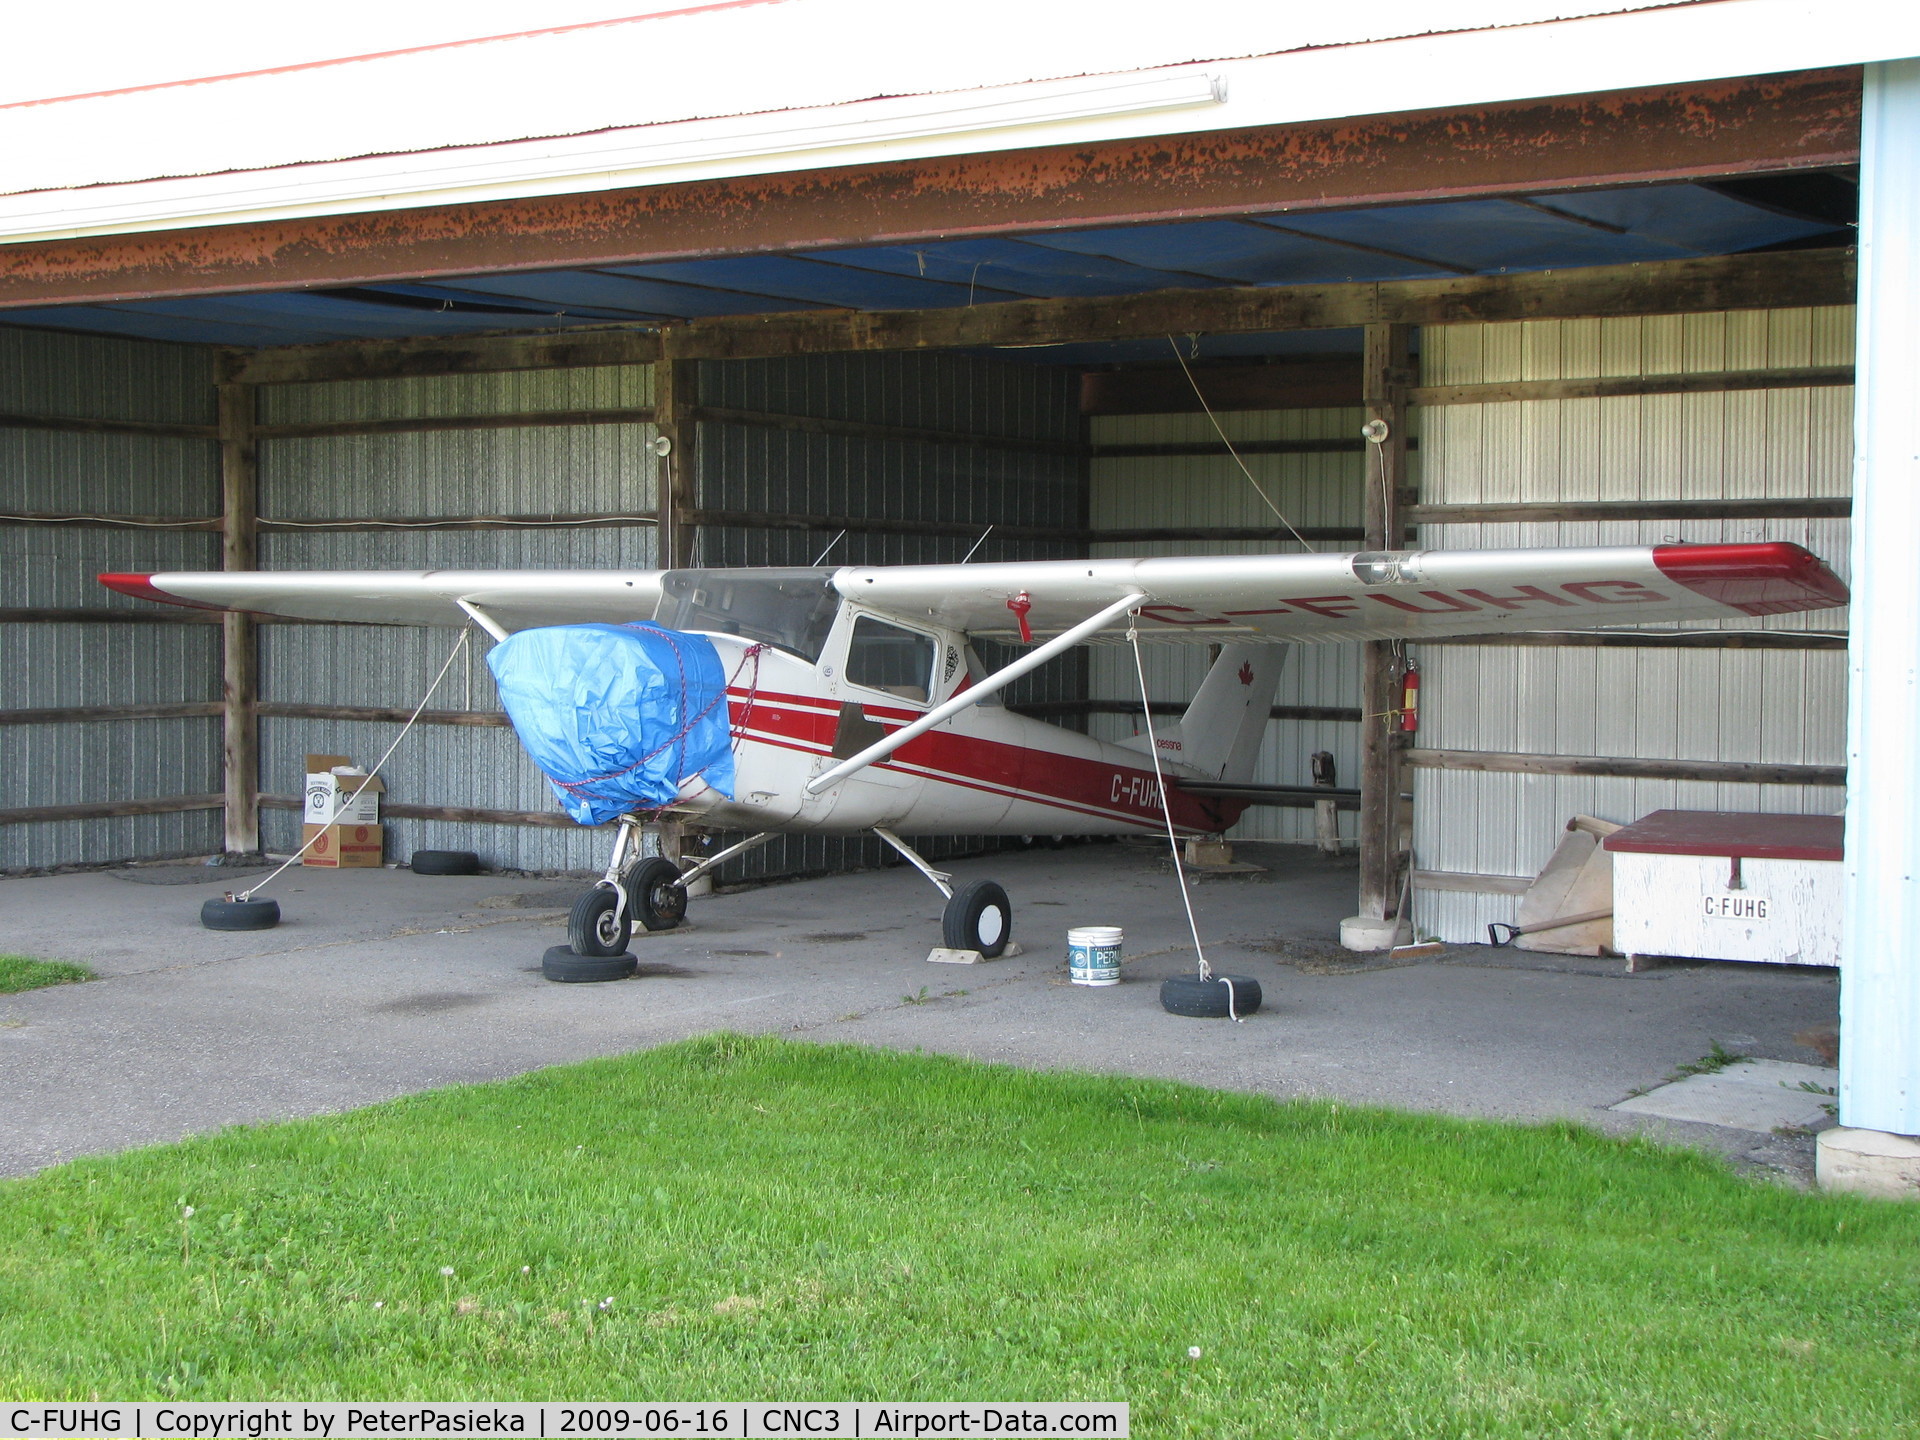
978, 916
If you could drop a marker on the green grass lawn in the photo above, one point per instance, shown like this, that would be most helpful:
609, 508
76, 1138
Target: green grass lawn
736, 1218
18, 972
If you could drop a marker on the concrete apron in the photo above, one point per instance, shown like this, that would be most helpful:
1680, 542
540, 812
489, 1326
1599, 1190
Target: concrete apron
380, 983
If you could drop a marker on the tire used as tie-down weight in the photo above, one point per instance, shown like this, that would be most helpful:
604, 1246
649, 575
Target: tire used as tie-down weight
444, 862
223, 912
1207, 999
561, 964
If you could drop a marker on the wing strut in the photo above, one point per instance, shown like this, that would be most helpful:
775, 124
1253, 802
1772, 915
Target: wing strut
974, 694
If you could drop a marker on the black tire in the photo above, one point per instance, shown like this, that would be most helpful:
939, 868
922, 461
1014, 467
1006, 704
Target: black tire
654, 891
561, 964
593, 928
978, 917
1207, 999
223, 914
445, 862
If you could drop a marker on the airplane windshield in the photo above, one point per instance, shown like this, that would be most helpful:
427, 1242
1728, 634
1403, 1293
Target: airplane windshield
793, 609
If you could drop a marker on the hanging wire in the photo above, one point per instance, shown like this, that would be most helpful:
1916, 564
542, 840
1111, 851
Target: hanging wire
1264, 499
1166, 814
452, 655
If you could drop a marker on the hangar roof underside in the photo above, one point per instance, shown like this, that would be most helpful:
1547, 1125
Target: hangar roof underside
1481, 236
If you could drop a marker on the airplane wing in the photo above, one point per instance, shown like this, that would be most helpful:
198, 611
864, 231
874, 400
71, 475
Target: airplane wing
1406, 594
513, 599
1208, 598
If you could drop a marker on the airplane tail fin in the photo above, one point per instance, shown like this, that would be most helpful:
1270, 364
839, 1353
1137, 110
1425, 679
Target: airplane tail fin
1220, 733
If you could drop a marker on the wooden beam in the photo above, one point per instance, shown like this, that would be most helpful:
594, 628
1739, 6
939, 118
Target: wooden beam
240, 639
158, 615
674, 384
66, 714
83, 426
1241, 447
1606, 387
1825, 507
1308, 382
1722, 772
1659, 639
877, 525
1659, 287
479, 719
524, 419
107, 809
477, 355
457, 522
1353, 534
462, 814
861, 430
1386, 373
1472, 884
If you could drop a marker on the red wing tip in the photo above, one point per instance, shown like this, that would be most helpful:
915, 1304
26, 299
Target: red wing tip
1771, 578
141, 587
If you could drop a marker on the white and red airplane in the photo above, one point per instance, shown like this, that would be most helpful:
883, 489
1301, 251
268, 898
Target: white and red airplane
857, 703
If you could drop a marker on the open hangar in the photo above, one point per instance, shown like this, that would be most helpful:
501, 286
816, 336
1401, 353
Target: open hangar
1599, 290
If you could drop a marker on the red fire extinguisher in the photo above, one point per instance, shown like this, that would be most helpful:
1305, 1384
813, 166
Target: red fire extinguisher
1410, 701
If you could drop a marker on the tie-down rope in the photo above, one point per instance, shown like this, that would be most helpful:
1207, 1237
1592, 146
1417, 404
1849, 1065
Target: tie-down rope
452, 655
1166, 814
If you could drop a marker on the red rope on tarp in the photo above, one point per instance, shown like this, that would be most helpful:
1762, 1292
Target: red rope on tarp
680, 665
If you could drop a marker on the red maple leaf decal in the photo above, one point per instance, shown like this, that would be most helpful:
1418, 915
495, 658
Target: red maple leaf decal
1246, 672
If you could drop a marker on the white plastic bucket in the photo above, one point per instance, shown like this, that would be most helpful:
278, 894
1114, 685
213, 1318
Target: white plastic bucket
1093, 954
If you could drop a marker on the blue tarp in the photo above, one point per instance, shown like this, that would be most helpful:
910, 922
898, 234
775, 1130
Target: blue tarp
616, 716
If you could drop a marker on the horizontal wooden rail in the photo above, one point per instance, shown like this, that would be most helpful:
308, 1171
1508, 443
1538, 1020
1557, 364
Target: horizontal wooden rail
1727, 772
458, 522
108, 809
478, 719
1813, 507
1471, 883
1040, 709
77, 425
1609, 386
64, 714
462, 814
1220, 533
512, 420
159, 615
868, 430
1658, 639
1241, 447
875, 525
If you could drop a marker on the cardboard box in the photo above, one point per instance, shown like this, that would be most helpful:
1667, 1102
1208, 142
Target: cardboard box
343, 847
340, 799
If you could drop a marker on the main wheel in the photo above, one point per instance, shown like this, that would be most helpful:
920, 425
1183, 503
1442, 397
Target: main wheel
654, 891
595, 926
1207, 999
979, 917
224, 914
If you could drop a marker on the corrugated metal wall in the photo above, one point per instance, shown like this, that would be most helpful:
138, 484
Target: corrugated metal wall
1138, 492
1771, 706
769, 470
522, 470
93, 663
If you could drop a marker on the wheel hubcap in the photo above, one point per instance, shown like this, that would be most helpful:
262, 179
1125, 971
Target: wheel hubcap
993, 924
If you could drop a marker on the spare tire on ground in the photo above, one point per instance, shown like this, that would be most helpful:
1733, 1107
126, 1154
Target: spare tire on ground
562, 964
1207, 999
445, 862
222, 913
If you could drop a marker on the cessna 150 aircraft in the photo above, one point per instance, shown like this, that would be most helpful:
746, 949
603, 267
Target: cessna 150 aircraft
853, 700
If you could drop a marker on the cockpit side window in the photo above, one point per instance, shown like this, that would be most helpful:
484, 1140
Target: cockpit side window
890, 658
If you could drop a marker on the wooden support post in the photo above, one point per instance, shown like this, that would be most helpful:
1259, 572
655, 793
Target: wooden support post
675, 383
240, 650
1386, 377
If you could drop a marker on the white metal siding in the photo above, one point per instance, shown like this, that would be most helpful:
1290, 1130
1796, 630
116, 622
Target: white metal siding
1193, 490
1772, 706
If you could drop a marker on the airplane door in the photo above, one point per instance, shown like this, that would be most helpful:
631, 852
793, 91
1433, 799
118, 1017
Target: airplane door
883, 675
